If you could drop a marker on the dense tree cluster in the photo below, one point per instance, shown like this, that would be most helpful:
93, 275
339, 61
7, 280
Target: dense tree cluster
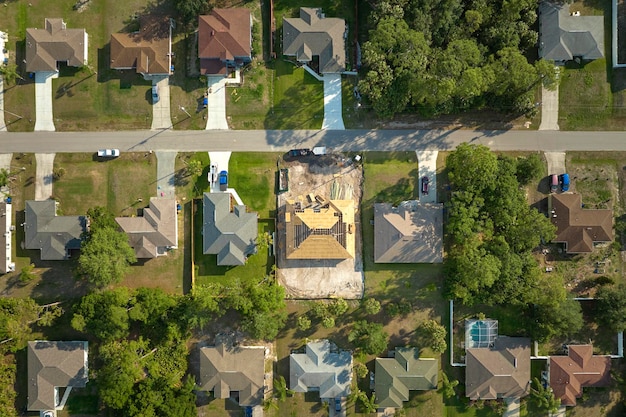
611, 307
452, 55
491, 233
105, 253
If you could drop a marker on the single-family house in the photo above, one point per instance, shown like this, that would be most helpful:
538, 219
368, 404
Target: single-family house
577, 227
395, 377
53, 235
233, 371
224, 40
46, 48
316, 40
54, 368
228, 232
499, 371
564, 36
148, 51
155, 232
321, 368
409, 233
580, 368
6, 228
326, 231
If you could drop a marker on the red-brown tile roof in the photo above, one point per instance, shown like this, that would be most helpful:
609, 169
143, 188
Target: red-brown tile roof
146, 50
223, 35
579, 228
569, 374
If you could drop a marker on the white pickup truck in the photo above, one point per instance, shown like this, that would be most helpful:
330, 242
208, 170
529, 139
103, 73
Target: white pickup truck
108, 153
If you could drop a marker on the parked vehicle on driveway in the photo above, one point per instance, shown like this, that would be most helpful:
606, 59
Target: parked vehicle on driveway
108, 153
155, 93
212, 177
425, 182
294, 153
554, 183
223, 180
565, 182
337, 404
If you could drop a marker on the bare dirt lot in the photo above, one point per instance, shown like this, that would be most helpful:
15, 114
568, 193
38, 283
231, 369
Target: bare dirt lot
328, 177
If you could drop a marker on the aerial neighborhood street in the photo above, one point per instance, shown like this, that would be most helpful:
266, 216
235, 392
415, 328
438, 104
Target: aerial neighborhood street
405, 208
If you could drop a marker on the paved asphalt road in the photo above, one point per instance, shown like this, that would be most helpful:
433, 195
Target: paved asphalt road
342, 140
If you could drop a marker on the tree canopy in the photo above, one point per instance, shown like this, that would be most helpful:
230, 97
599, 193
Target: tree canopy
369, 337
105, 256
492, 230
611, 307
452, 55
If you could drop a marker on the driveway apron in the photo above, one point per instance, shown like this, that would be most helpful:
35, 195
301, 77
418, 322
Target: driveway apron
333, 118
166, 186
427, 165
549, 109
216, 117
43, 101
43, 178
556, 162
161, 117
5, 163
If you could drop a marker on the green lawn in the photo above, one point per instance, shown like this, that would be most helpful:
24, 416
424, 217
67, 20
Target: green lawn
88, 183
253, 175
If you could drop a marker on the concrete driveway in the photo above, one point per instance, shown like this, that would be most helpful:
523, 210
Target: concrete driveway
3, 126
549, 109
556, 162
161, 115
43, 175
333, 118
216, 111
427, 165
5, 163
43, 101
512, 407
166, 186
221, 160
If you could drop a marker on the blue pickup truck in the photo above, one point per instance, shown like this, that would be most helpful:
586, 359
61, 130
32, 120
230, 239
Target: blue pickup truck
223, 180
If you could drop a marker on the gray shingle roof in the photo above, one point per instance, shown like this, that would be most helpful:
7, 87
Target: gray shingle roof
563, 37
323, 368
224, 369
229, 235
54, 365
395, 377
55, 43
410, 233
314, 34
154, 232
53, 235
502, 371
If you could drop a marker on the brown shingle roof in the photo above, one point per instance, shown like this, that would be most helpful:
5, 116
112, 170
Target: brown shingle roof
314, 34
54, 365
240, 368
579, 228
55, 43
569, 374
409, 233
146, 50
155, 231
322, 233
502, 371
224, 35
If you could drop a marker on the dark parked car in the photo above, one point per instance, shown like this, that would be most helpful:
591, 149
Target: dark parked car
294, 153
223, 180
337, 404
554, 183
425, 182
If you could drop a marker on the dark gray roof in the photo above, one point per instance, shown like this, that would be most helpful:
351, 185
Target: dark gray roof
55, 43
54, 365
6, 264
406, 371
151, 234
410, 233
502, 371
322, 367
563, 37
53, 235
314, 34
241, 368
229, 235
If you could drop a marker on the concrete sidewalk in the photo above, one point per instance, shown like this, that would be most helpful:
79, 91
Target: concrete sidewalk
44, 119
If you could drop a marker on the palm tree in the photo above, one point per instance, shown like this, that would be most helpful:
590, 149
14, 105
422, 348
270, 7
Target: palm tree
447, 386
368, 404
280, 389
544, 397
9, 73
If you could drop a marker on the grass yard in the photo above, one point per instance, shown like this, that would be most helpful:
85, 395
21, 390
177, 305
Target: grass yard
253, 175
116, 184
